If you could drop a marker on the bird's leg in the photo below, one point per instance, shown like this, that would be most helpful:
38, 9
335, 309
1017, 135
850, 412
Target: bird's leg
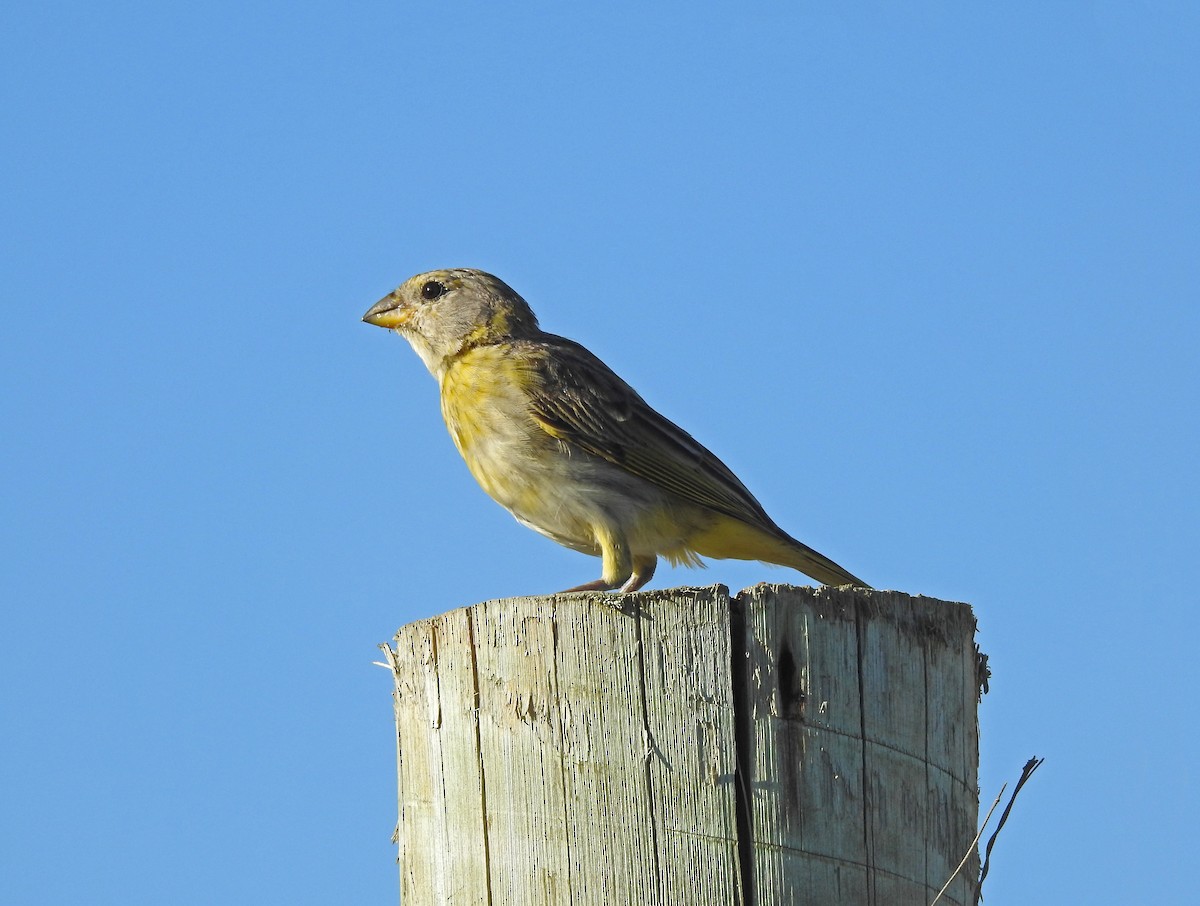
643, 572
618, 563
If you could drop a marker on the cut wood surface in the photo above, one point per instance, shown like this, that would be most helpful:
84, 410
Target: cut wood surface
685, 746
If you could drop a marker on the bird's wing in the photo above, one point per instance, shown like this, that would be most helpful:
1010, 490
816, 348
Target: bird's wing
578, 400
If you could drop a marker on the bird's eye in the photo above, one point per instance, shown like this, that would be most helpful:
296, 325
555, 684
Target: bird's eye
432, 290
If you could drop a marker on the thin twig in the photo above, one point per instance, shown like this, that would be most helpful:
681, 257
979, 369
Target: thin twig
970, 849
1030, 766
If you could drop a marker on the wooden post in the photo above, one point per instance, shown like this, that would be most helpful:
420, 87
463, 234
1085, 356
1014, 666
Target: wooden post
781, 746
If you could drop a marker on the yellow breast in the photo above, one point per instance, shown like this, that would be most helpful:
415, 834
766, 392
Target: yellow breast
487, 414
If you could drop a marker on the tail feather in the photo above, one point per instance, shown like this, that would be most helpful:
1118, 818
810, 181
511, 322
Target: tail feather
732, 538
820, 567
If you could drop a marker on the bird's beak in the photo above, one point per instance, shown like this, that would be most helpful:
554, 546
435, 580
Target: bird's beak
388, 312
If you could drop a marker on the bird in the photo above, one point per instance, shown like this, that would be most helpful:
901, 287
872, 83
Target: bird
570, 449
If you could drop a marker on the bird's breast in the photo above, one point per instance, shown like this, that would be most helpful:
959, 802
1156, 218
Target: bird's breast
486, 409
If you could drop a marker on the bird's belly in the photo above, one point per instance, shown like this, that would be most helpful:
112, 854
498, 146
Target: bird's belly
576, 499
544, 489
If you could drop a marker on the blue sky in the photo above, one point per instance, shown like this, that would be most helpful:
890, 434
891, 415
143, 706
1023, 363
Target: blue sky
925, 277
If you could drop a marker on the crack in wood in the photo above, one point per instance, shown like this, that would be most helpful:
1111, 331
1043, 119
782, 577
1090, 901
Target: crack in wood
743, 742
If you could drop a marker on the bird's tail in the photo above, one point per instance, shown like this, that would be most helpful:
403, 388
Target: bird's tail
736, 539
802, 557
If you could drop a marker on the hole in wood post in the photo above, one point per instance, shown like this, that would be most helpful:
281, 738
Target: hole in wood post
791, 691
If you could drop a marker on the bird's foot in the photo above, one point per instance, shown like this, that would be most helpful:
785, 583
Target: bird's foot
642, 573
598, 585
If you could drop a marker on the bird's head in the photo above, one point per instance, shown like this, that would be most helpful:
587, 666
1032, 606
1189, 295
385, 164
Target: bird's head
442, 313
